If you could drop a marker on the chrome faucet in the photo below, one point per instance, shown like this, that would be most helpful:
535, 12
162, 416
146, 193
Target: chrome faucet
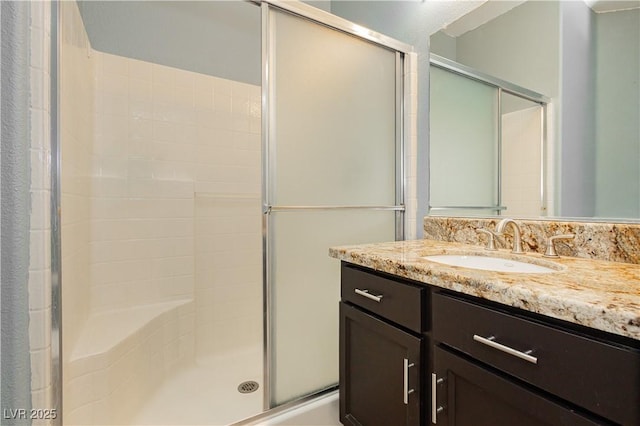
517, 241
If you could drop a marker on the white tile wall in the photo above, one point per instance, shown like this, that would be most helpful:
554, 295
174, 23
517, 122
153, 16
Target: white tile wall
521, 162
228, 274
411, 147
161, 134
40, 235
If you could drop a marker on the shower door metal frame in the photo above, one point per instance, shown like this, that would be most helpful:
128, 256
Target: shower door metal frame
55, 214
502, 86
334, 22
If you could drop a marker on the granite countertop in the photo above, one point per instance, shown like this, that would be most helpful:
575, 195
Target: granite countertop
595, 293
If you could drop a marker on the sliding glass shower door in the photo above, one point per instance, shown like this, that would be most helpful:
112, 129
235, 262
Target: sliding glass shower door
332, 162
486, 146
464, 142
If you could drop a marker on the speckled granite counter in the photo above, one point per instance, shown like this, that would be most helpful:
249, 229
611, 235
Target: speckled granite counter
615, 242
594, 293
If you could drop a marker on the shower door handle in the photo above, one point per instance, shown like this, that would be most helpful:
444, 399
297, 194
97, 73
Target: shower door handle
268, 209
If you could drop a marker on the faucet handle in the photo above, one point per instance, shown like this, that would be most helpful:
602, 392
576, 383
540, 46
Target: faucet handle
551, 248
491, 243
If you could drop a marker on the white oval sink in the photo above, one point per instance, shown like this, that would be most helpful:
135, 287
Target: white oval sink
489, 263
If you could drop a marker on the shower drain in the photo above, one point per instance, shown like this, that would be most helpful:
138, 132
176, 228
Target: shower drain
248, 386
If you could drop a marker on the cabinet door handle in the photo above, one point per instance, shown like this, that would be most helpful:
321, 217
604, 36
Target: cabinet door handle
407, 391
490, 341
368, 295
435, 410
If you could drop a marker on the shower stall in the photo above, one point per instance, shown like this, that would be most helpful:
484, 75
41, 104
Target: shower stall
202, 181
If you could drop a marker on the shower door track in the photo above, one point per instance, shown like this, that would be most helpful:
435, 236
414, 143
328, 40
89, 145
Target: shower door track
466, 71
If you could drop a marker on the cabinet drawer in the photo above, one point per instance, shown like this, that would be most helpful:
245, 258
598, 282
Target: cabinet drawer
602, 378
398, 301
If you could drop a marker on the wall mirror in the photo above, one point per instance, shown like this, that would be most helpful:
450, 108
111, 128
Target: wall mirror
584, 58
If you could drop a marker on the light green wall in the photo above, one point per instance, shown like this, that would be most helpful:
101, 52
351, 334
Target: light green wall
444, 45
577, 182
520, 46
618, 114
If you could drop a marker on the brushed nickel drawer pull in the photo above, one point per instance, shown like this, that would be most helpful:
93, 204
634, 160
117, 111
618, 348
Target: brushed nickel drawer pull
368, 295
407, 391
490, 341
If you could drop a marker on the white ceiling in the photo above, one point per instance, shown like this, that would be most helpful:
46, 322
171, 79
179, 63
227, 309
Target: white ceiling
481, 15
612, 5
490, 9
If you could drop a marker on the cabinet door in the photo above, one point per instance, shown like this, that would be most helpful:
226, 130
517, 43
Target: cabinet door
380, 371
469, 395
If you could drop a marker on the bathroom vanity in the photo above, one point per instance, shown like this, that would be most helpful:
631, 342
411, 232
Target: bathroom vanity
426, 343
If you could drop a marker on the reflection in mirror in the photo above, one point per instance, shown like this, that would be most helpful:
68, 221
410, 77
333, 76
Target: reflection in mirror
522, 152
488, 137
463, 136
586, 59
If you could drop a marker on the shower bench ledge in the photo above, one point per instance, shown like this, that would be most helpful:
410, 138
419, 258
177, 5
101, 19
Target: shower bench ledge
148, 342
107, 331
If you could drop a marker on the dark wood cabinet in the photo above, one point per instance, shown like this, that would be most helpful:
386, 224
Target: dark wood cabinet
380, 371
596, 376
474, 362
466, 394
382, 349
